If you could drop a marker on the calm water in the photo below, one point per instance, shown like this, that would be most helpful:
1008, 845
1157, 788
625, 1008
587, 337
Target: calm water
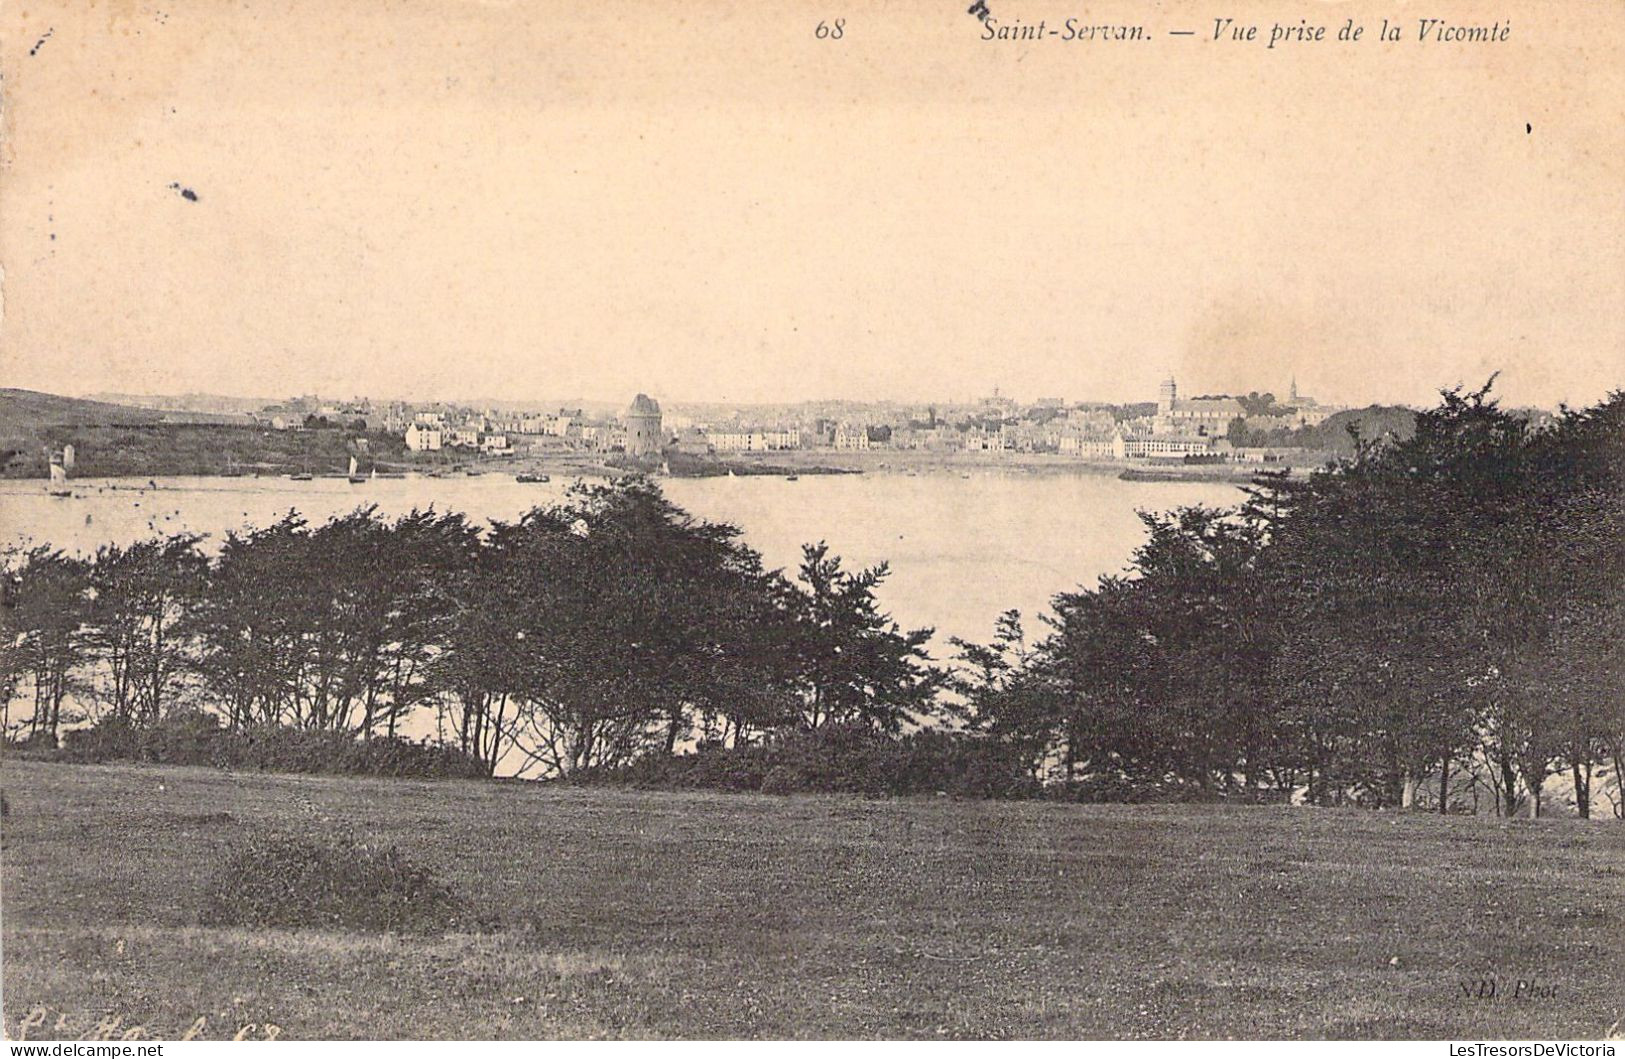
962, 549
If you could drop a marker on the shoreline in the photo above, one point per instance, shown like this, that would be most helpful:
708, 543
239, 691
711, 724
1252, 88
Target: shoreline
786, 462
767, 465
913, 462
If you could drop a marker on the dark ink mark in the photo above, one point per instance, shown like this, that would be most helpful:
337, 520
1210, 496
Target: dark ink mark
979, 9
35, 49
1182, 33
1528, 128
186, 193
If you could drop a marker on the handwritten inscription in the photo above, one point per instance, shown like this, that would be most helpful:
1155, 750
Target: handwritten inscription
42, 1023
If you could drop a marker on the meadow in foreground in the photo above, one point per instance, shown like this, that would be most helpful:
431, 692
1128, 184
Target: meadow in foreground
611, 913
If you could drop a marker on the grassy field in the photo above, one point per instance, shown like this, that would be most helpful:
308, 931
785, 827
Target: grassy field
691, 915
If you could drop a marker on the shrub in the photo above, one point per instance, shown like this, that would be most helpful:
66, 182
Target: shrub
197, 738
1123, 789
34, 743
839, 759
281, 881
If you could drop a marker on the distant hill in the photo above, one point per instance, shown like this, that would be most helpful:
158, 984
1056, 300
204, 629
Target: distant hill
31, 422
112, 440
186, 402
25, 413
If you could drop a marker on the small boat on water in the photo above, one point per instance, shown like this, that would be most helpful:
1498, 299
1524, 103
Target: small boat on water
792, 478
531, 478
355, 478
303, 476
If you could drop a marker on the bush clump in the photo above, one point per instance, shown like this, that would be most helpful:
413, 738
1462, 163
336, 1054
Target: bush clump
34, 745
1108, 788
197, 738
282, 881
846, 759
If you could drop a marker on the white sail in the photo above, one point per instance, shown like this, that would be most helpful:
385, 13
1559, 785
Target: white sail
352, 466
59, 475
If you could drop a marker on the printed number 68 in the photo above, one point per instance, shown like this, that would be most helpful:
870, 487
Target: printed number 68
829, 32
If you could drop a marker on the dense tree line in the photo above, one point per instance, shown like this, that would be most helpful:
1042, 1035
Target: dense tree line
581, 636
1449, 606
1435, 618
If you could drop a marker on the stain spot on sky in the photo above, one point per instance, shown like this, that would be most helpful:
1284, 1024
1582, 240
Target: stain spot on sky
186, 193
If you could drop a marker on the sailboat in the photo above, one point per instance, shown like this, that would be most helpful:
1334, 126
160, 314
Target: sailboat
59, 480
355, 478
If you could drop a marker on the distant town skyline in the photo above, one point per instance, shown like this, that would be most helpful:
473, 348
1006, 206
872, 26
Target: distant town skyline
437, 201
1280, 391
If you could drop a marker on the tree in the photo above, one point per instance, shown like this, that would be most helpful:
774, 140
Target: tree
138, 599
47, 604
1006, 700
854, 664
627, 625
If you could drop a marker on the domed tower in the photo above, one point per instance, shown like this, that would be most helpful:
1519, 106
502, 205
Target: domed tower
643, 436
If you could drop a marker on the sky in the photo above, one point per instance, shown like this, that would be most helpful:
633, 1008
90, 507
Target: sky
443, 199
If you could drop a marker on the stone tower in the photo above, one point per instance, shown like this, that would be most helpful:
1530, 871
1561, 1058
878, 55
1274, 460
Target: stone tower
643, 436
1167, 394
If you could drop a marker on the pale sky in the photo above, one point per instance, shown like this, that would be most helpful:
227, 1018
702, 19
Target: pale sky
451, 198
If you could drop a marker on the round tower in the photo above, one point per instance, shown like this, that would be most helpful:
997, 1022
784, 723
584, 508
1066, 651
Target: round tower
643, 426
